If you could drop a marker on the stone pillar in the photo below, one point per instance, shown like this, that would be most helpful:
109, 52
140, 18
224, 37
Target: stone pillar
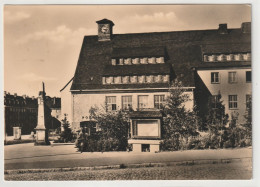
154, 148
41, 131
137, 148
17, 131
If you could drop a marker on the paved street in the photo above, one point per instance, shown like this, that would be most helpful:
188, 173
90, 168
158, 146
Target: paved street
237, 170
28, 156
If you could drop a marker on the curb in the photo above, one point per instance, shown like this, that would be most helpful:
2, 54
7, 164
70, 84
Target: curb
143, 165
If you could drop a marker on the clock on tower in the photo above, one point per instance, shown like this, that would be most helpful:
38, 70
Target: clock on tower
105, 30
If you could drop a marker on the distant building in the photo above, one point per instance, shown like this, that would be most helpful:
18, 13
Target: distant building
135, 70
22, 111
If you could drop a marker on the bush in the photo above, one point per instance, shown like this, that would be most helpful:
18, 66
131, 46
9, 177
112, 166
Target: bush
93, 143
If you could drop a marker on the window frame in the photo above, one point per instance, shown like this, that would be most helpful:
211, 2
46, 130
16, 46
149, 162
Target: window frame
138, 99
232, 103
214, 99
108, 104
249, 81
214, 78
160, 102
232, 79
247, 100
122, 102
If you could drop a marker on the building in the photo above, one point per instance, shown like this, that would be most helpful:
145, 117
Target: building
22, 111
135, 70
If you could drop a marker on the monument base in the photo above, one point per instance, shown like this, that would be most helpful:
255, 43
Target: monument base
41, 137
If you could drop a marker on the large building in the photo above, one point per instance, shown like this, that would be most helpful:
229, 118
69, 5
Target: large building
22, 111
136, 70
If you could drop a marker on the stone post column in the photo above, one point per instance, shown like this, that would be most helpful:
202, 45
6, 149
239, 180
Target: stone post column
41, 131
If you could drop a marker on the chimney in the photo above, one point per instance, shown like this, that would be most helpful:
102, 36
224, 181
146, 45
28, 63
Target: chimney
24, 96
33, 98
246, 27
222, 29
15, 94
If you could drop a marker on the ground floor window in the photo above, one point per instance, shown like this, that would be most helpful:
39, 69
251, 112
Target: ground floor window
232, 101
248, 101
214, 100
126, 102
143, 101
159, 101
111, 103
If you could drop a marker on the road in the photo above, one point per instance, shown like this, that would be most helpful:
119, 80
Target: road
28, 156
237, 170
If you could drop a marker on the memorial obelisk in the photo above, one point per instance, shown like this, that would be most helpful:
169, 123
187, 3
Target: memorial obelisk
41, 131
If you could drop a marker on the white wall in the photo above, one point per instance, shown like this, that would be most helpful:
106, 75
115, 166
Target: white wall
241, 88
66, 103
81, 103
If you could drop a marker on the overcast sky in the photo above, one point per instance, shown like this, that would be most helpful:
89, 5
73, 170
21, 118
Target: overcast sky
42, 43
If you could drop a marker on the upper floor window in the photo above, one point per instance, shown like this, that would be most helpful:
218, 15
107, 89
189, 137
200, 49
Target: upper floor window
111, 103
143, 101
215, 77
126, 102
232, 77
248, 76
232, 101
159, 100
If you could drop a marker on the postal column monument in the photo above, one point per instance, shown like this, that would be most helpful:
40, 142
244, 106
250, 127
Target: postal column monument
41, 131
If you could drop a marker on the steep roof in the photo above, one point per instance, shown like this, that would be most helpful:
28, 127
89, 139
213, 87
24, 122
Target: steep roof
67, 84
141, 69
132, 52
183, 49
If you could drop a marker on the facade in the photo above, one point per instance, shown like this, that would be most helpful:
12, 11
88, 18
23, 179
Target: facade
22, 111
122, 71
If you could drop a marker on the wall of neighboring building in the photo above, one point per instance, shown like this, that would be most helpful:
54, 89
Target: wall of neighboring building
241, 88
66, 103
82, 102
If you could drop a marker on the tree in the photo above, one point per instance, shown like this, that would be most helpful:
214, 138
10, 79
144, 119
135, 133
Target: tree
216, 120
66, 135
179, 123
248, 119
114, 127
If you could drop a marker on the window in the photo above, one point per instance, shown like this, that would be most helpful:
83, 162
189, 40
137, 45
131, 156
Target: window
248, 101
232, 77
143, 101
232, 101
159, 101
215, 100
126, 102
111, 103
248, 76
214, 77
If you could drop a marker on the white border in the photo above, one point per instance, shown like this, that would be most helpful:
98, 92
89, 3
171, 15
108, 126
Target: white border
256, 92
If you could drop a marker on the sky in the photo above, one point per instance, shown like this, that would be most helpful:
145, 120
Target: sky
43, 42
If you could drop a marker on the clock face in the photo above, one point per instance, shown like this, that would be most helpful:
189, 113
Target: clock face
105, 29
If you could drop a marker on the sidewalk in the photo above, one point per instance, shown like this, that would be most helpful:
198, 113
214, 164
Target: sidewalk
28, 156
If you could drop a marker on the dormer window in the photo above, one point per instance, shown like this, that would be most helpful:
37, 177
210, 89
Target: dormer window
227, 57
237, 57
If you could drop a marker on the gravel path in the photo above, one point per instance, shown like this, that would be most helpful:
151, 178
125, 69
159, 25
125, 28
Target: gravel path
237, 170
